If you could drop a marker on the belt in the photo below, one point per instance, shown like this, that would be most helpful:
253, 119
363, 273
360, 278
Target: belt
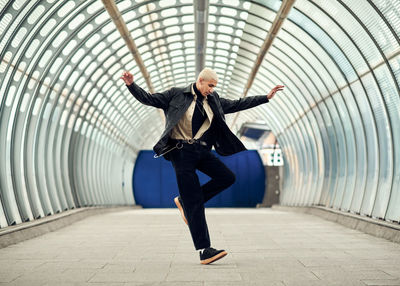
190, 141
179, 145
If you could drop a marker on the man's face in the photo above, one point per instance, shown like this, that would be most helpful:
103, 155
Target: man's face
206, 86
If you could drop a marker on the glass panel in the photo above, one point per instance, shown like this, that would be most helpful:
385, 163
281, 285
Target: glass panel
372, 164
323, 39
348, 112
342, 153
386, 108
376, 27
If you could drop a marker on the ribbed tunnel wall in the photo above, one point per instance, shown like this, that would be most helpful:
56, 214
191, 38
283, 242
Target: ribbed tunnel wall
70, 131
340, 129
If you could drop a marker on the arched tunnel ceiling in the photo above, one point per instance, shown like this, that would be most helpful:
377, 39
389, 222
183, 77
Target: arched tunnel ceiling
70, 130
63, 59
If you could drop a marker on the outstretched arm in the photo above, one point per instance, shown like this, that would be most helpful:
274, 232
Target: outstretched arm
159, 100
230, 106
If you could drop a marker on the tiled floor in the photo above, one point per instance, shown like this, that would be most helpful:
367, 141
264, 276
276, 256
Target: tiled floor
153, 247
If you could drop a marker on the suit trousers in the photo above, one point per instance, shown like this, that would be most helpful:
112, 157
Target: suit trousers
186, 161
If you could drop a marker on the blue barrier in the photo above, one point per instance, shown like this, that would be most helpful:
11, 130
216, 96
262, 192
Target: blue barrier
154, 181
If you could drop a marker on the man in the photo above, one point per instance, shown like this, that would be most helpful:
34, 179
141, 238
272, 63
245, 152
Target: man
195, 121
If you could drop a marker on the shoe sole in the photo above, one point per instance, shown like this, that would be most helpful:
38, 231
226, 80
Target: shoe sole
214, 258
180, 208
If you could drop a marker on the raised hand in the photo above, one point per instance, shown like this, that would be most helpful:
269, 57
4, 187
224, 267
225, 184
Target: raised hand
127, 77
274, 90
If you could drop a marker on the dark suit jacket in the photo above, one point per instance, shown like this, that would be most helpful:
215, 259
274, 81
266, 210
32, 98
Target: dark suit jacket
175, 101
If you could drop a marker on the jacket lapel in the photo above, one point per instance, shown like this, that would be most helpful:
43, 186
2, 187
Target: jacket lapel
213, 104
186, 99
212, 101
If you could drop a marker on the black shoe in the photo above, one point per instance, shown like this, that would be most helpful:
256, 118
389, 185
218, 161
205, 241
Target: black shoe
210, 255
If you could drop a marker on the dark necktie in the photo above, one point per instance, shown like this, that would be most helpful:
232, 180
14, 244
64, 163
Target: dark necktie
199, 115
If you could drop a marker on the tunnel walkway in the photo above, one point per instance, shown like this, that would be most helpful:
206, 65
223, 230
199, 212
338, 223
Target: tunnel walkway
153, 247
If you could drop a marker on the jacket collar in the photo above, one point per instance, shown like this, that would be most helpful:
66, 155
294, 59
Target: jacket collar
212, 103
188, 89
